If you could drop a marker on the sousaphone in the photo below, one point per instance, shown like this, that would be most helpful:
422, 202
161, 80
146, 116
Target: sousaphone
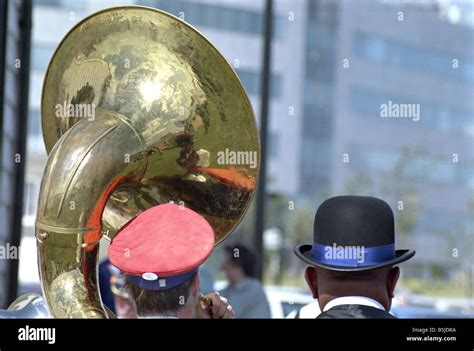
137, 108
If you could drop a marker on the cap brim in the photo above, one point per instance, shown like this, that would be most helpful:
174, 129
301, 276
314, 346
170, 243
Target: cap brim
304, 253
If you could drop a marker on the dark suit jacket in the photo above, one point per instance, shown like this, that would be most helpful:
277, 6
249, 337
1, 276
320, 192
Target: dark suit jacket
355, 311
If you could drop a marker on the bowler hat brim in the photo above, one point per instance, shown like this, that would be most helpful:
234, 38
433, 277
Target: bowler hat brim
304, 253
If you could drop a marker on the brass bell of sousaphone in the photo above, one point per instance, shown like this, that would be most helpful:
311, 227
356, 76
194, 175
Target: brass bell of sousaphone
138, 109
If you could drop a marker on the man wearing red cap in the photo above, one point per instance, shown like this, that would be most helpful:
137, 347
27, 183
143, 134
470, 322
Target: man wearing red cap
160, 251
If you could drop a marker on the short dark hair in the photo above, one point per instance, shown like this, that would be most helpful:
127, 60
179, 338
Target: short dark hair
244, 258
165, 302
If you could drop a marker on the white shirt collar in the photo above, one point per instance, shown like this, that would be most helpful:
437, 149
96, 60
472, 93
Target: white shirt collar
353, 300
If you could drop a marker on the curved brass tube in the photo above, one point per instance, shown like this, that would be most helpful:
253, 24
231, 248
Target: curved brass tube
77, 182
26, 306
170, 118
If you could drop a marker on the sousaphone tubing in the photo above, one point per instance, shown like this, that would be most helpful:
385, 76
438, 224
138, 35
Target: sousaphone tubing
137, 107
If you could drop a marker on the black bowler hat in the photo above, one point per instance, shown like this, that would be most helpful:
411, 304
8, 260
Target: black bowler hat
353, 233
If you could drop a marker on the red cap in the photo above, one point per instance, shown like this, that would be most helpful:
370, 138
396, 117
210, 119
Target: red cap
163, 241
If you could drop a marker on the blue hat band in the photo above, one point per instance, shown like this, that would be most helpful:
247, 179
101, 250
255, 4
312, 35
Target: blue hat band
162, 283
352, 255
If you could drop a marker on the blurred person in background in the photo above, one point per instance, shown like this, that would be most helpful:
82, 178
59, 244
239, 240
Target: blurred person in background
244, 291
207, 280
112, 291
106, 271
123, 302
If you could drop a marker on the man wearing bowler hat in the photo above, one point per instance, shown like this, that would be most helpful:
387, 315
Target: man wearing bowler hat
353, 259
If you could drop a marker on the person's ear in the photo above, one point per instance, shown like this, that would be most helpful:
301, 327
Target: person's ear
311, 277
392, 280
196, 285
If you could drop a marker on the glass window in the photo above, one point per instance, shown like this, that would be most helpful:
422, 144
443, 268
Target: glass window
274, 146
251, 81
30, 199
279, 26
221, 17
41, 55
376, 48
34, 123
439, 117
419, 168
53, 3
